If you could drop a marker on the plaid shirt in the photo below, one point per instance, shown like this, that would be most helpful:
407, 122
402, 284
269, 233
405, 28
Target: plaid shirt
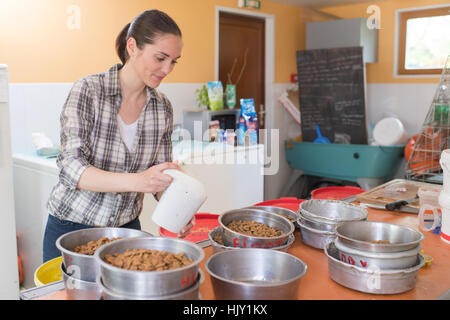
90, 136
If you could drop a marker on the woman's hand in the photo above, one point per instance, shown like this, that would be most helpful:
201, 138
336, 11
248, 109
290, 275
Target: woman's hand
187, 228
153, 179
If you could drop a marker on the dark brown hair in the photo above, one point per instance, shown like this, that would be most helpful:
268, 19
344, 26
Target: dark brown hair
145, 28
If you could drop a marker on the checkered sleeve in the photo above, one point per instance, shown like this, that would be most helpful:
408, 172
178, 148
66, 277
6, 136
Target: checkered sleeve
165, 150
76, 126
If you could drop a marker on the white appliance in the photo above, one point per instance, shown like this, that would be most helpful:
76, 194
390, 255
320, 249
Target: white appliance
9, 280
34, 178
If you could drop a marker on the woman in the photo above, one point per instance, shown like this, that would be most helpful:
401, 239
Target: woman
116, 135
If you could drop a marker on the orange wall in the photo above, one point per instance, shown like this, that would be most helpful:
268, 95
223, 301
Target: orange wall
38, 47
383, 70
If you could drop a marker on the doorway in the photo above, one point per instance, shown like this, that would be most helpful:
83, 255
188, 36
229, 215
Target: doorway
242, 58
264, 100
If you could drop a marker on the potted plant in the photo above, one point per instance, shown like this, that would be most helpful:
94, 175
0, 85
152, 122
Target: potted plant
202, 97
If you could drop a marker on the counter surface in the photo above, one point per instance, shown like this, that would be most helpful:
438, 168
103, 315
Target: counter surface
432, 281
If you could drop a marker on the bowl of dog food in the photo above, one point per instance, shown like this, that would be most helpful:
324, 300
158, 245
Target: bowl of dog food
149, 266
191, 293
285, 212
215, 238
254, 228
374, 236
78, 248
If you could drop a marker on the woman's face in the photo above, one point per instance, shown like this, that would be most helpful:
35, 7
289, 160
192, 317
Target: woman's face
155, 61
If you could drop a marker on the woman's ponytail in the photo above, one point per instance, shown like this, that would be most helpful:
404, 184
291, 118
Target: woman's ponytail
145, 29
121, 44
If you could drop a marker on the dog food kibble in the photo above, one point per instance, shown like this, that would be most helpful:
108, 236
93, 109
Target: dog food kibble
90, 247
380, 241
147, 260
218, 238
254, 228
287, 217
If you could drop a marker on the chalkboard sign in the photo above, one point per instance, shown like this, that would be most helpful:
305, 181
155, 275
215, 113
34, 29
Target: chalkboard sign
332, 94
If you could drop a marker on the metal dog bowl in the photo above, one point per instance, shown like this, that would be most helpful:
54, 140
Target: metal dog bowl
287, 213
332, 211
83, 266
359, 234
217, 247
371, 280
77, 289
255, 274
317, 225
382, 260
149, 283
234, 239
191, 293
315, 238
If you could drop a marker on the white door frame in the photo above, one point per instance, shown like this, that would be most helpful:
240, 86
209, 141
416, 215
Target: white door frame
269, 57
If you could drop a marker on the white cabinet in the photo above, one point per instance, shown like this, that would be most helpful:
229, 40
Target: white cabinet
9, 281
34, 179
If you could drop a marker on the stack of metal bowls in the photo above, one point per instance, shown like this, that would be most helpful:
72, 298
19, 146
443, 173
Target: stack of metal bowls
80, 271
235, 239
375, 257
255, 274
319, 219
175, 284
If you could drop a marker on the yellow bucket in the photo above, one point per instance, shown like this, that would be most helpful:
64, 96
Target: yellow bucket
48, 272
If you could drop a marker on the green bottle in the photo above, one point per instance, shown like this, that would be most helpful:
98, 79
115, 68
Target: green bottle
230, 94
441, 106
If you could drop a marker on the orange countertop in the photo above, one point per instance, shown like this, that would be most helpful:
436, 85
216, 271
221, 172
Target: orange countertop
432, 281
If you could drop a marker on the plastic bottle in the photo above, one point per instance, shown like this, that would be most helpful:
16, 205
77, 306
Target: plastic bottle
241, 132
441, 106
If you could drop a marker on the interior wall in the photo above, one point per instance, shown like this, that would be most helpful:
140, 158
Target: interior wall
42, 47
383, 70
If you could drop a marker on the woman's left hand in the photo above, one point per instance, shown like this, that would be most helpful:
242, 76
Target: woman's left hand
187, 228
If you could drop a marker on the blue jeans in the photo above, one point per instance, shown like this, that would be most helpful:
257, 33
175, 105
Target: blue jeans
56, 227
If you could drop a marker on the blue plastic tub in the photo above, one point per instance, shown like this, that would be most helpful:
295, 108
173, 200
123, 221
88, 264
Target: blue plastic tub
344, 161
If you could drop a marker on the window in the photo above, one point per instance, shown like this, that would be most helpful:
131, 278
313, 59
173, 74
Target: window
424, 41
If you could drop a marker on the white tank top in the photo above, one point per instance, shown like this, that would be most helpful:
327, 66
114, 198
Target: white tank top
127, 132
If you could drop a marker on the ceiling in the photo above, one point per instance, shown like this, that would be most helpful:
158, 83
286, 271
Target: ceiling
320, 3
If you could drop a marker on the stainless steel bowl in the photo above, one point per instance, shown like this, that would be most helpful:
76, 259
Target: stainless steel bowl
382, 260
372, 280
316, 224
315, 238
234, 239
217, 247
150, 283
255, 274
82, 266
359, 234
191, 293
77, 289
287, 213
332, 211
